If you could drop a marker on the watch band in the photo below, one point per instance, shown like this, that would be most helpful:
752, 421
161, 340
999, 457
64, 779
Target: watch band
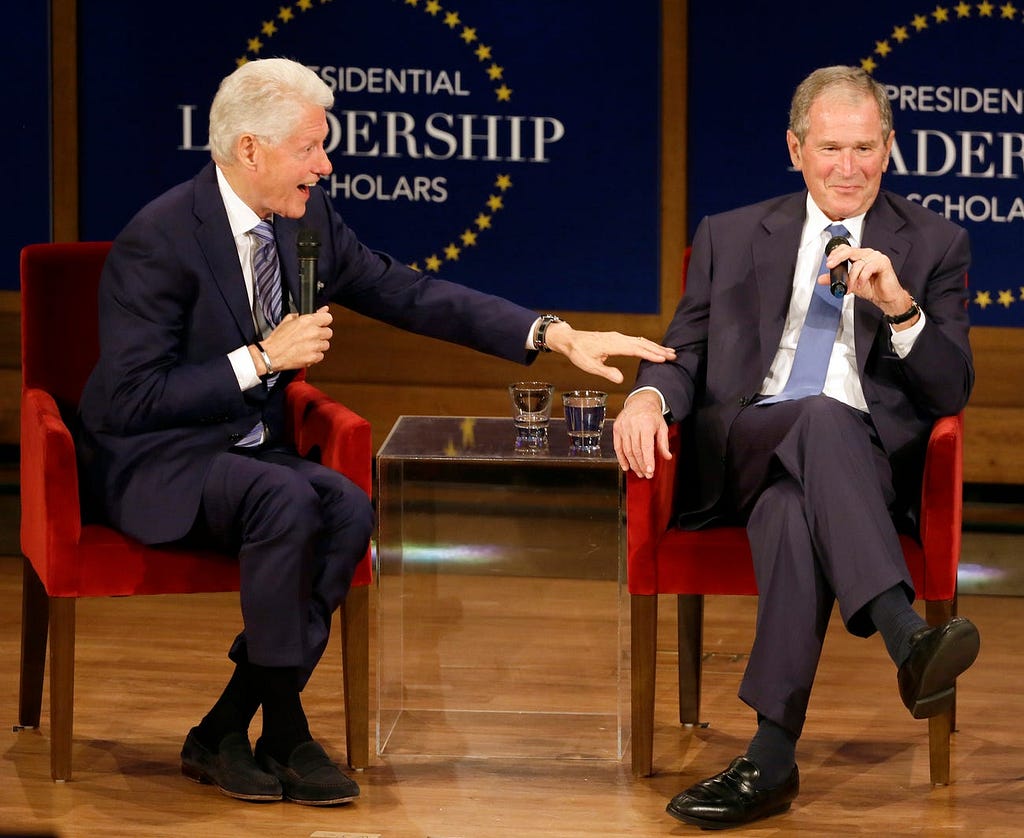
265, 357
896, 319
540, 343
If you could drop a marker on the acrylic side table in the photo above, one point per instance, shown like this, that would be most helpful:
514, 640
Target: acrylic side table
503, 612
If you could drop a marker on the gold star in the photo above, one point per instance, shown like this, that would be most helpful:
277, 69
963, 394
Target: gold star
503, 182
433, 263
269, 28
468, 426
412, 2
495, 71
882, 48
240, 61
983, 299
919, 22
451, 253
494, 203
1006, 298
483, 52
432, 8
255, 45
285, 13
941, 14
483, 222
899, 34
1008, 10
868, 65
504, 93
468, 34
963, 9
450, 450
468, 238
305, 5
415, 266
985, 9
1022, 293
451, 20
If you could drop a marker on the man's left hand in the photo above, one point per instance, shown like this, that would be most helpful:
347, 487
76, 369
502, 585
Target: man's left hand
590, 350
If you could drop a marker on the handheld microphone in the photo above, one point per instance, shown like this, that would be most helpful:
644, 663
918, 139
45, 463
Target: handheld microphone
309, 252
840, 273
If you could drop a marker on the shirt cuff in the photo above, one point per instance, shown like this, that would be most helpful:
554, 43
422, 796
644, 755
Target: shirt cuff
245, 368
664, 407
903, 342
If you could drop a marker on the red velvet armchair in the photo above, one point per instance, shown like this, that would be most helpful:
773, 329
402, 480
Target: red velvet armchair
663, 559
66, 559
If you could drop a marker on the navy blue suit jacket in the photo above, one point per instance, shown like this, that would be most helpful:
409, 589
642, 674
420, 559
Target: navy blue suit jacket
729, 323
163, 398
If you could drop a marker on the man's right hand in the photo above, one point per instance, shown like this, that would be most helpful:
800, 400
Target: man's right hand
638, 428
300, 341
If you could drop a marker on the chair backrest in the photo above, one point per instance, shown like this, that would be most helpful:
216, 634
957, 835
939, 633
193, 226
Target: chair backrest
59, 322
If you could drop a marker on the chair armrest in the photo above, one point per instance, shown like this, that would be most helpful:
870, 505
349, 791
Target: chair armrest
942, 505
342, 436
649, 508
50, 515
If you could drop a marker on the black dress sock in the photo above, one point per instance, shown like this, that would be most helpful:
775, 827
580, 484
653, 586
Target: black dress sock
896, 620
773, 751
233, 711
284, 720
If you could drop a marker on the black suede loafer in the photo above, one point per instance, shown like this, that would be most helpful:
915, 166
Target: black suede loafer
937, 656
231, 768
309, 777
730, 799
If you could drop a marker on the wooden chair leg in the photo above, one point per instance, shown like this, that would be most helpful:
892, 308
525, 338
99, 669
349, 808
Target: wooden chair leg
355, 652
690, 608
643, 651
940, 727
62, 685
35, 615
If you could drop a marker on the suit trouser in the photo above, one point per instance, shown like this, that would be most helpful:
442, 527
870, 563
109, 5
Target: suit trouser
815, 486
299, 530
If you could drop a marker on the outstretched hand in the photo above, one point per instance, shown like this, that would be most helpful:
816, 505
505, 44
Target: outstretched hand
590, 350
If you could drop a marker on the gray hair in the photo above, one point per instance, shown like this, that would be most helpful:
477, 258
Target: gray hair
264, 98
854, 82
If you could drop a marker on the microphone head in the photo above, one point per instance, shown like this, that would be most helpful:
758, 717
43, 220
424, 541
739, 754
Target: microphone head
833, 243
308, 244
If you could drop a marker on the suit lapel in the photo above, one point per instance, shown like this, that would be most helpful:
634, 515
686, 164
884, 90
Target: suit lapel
215, 240
774, 257
881, 232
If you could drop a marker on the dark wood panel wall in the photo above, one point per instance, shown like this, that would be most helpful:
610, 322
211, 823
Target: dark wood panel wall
383, 373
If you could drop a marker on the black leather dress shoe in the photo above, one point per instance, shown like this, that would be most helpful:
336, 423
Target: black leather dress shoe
937, 656
231, 768
730, 799
309, 777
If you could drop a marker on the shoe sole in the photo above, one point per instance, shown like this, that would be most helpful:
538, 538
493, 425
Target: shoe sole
197, 775
963, 644
337, 801
703, 823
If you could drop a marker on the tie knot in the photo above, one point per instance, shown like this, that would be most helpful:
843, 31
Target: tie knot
837, 230
264, 232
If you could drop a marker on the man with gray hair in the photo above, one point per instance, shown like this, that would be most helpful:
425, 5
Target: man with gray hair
182, 418
808, 404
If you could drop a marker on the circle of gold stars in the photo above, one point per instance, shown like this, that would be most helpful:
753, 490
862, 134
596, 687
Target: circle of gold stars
919, 24
451, 19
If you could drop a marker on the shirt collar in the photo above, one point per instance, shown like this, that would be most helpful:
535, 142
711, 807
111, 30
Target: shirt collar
816, 221
240, 216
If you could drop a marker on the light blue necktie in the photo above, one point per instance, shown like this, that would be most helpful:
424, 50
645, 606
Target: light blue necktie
818, 335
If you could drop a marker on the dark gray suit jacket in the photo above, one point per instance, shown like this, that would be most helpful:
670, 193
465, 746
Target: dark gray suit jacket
163, 398
728, 325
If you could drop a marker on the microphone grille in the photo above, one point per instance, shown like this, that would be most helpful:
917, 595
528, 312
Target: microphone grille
833, 243
308, 244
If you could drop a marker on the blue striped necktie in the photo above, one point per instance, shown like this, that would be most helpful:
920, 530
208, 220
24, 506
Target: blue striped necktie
266, 273
817, 337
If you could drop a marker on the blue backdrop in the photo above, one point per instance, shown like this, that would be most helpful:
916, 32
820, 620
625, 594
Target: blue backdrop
956, 80
509, 146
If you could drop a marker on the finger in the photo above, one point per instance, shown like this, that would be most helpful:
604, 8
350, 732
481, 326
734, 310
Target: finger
663, 445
